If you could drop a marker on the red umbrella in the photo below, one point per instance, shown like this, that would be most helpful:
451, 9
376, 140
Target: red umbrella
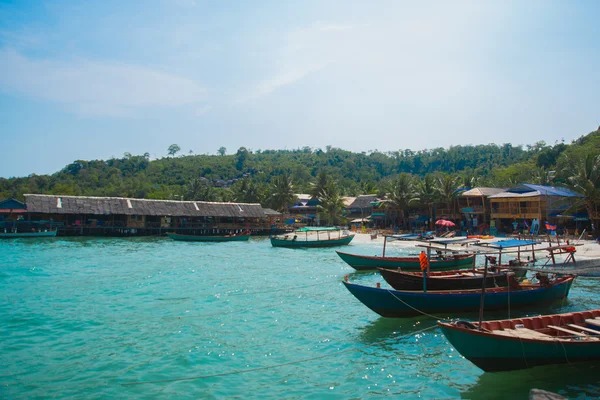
444, 222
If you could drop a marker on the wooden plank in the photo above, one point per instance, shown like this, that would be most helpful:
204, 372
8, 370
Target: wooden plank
570, 332
583, 328
594, 322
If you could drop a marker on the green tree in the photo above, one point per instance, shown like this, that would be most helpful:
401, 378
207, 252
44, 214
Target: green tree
282, 193
320, 184
403, 194
583, 176
240, 158
173, 149
331, 204
222, 151
447, 187
427, 195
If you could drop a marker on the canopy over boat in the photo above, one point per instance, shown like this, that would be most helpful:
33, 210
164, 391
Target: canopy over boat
509, 243
317, 228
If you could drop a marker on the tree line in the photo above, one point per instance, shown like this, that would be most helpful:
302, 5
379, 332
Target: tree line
271, 177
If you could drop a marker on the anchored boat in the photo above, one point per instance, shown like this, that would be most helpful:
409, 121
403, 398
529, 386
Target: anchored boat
365, 263
16, 235
518, 343
396, 303
313, 237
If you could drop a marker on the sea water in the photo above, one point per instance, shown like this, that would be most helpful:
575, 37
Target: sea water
154, 318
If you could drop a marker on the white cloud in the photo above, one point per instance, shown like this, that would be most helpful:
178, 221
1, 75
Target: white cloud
305, 51
96, 88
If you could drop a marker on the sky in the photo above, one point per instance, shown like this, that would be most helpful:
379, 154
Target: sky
93, 80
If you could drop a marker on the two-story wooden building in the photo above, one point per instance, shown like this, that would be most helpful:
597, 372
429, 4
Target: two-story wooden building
523, 207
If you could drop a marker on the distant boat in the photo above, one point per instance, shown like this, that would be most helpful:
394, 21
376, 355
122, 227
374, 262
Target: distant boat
313, 237
201, 238
443, 280
518, 343
399, 304
365, 263
16, 235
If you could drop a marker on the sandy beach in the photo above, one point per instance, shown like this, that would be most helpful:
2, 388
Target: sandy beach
586, 249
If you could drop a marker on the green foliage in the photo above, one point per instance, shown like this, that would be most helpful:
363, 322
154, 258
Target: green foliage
282, 193
252, 176
173, 149
331, 204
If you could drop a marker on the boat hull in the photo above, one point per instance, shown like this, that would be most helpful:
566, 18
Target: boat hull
452, 280
399, 304
290, 243
366, 263
199, 238
21, 235
494, 352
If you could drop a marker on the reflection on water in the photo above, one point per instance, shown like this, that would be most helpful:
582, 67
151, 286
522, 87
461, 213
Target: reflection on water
569, 380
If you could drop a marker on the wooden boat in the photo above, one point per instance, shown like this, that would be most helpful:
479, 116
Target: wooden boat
313, 237
443, 280
201, 238
16, 235
365, 263
395, 303
518, 343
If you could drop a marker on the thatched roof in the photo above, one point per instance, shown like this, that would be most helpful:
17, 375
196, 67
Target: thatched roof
363, 201
47, 204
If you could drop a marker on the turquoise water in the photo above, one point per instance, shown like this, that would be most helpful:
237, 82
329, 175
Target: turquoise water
146, 318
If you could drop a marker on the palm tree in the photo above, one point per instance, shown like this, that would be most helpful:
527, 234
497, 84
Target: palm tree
583, 176
368, 187
447, 186
402, 194
248, 192
428, 195
318, 186
331, 204
542, 176
282, 193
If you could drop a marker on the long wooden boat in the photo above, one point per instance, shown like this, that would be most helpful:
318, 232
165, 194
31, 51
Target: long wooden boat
16, 235
366, 263
200, 238
510, 344
443, 280
398, 304
313, 237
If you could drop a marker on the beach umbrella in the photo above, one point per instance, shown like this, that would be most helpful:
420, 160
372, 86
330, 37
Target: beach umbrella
444, 222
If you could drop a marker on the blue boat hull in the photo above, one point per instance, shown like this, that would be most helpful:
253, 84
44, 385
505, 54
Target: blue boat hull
398, 304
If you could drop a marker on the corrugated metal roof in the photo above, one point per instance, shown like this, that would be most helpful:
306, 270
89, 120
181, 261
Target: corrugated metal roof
545, 190
531, 190
51, 204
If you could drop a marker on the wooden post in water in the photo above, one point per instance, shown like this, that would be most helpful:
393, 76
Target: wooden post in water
481, 303
384, 243
428, 258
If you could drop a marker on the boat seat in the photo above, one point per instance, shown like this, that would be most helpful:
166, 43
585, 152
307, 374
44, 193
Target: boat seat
525, 333
584, 329
570, 332
593, 322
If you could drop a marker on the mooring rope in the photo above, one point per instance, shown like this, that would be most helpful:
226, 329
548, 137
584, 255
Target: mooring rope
416, 309
237, 372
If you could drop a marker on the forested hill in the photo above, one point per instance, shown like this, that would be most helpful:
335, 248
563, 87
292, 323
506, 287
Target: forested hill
231, 177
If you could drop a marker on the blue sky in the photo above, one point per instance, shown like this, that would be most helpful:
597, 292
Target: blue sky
92, 80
